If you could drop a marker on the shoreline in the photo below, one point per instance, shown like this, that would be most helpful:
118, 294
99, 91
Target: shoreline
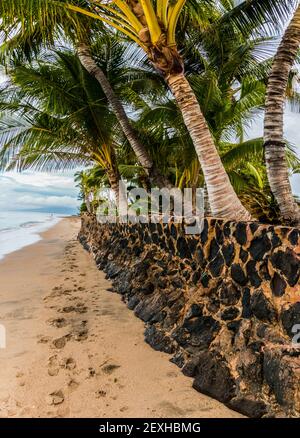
16, 238
70, 340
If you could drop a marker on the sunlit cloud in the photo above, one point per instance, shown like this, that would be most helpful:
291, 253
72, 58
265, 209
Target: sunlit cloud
38, 191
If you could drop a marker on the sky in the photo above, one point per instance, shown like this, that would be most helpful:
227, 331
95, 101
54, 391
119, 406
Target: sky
38, 192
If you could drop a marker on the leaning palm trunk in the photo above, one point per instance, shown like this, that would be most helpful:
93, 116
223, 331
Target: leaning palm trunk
275, 156
207, 212
153, 26
87, 61
114, 180
224, 202
88, 204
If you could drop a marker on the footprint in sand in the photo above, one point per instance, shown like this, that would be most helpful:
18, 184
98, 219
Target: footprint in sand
60, 343
53, 366
110, 368
101, 393
55, 398
68, 363
72, 385
43, 339
79, 308
58, 322
91, 372
82, 335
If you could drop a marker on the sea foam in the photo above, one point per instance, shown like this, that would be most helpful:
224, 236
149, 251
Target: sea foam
20, 229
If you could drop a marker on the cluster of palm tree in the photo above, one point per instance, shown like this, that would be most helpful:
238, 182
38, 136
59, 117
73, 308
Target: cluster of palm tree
161, 93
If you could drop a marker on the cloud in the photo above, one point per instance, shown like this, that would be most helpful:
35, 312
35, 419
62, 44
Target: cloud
51, 201
38, 191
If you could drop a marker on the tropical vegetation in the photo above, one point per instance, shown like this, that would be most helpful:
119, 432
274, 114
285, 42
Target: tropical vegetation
158, 93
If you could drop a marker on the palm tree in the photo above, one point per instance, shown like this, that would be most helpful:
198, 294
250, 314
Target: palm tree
55, 115
32, 23
152, 25
276, 163
227, 72
153, 28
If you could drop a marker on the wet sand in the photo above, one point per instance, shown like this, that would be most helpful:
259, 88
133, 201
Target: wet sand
74, 349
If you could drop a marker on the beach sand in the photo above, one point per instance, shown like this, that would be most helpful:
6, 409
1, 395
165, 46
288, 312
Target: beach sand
74, 349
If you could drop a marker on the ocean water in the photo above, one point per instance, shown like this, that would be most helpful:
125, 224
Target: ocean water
19, 229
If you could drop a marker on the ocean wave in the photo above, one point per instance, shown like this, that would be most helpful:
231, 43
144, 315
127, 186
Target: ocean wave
30, 224
5, 230
23, 234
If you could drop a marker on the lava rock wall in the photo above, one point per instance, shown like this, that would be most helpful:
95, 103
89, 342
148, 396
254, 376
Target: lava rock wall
223, 303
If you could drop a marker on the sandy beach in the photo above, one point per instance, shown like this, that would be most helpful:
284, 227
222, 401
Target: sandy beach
74, 349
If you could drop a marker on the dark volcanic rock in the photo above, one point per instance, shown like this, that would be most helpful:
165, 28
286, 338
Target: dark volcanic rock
262, 308
199, 256
246, 302
178, 359
190, 367
290, 317
197, 332
234, 325
243, 255
205, 278
230, 313
219, 234
241, 233
204, 232
250, 366
264, 271
148, 288
182, 248
278, 285
202, 330
228, 253
294, 236
149, 307
213, 305
216, 265
133, 302
252, 273
213, 377
273, 375
288, 264
158, 340
196, 277
238, 275
173, 231
251, 408
212, 300
194, 310
259, 247
229, 294
213, 249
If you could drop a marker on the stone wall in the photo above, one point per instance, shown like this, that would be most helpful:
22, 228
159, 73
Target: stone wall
223, 303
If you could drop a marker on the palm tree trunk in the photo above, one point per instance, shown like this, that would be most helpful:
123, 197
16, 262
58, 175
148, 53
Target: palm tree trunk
275, 154
207, 212
224, 202
87, 61
88, 204
114, 178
